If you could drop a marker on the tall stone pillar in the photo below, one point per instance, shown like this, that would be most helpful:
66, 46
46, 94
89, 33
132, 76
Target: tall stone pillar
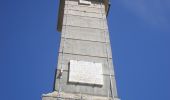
85, 70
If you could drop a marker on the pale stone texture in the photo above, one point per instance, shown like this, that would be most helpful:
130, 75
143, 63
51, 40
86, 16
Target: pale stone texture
86, 89
70, 96
84, 21
63, 62
84, 72
83, 33
88, 48
84, 37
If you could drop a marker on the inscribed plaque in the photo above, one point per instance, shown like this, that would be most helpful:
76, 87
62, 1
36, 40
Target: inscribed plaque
85, 72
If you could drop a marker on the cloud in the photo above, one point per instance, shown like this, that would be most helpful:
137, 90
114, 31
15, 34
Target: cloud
155, 12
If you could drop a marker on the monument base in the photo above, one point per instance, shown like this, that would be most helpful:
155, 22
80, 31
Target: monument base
69, 96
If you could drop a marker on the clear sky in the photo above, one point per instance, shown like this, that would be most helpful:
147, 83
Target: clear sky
140, 37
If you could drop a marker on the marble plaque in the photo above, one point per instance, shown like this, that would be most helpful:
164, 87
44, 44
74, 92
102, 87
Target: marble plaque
85, 72
85, 2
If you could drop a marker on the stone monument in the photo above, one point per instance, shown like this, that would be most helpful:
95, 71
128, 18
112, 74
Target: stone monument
85, 70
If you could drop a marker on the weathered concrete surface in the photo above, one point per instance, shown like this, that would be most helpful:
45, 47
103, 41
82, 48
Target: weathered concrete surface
94, 4
84, 33
84, 13
88, 48
84, 37
63, 62
85, 8
69, 96
86, 89
83, 21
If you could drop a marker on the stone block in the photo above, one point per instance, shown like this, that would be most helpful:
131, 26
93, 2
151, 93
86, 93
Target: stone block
88, 22
84, 88
73, 96
85, 14
87, 48
93, 4
85, 34
48, 98
85, 9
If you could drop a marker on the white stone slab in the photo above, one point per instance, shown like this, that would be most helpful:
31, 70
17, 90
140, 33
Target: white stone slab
85, 72
85, 2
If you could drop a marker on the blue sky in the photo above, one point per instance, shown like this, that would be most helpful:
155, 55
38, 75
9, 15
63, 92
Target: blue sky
140, 37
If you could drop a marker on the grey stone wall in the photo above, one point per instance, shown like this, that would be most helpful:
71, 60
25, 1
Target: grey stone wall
85, 37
